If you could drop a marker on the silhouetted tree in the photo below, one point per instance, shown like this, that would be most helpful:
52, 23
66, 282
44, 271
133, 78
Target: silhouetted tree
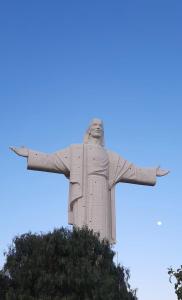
178, 278
63, 265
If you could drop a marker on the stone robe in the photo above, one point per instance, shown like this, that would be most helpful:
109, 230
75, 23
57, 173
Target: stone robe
93, 173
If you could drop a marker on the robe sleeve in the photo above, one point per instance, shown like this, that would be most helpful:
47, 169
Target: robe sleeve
58, 162
124, 171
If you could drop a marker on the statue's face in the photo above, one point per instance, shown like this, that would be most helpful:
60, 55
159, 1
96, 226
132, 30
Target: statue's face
96, 128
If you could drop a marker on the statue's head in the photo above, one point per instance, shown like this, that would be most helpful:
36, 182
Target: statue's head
95, 131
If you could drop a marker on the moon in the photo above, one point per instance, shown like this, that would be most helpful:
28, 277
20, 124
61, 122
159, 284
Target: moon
159, 223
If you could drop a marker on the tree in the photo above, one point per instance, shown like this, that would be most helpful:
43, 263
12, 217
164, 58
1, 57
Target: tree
178, 278
63, 265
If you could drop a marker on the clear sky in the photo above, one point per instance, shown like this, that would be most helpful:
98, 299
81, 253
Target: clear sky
63, 63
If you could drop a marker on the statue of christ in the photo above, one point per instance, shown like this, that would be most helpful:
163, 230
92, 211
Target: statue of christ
93, 173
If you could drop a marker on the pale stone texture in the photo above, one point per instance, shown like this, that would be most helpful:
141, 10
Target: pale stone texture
93, 173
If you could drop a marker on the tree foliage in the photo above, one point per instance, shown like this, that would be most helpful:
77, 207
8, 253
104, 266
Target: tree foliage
63, 265
177, 275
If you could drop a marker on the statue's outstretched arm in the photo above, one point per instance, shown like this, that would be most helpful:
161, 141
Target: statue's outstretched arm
57, 162
129, 173
144, 176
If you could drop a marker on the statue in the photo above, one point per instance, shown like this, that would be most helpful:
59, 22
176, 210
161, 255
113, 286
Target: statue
93, 173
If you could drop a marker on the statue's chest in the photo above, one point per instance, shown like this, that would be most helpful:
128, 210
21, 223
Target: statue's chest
97, 160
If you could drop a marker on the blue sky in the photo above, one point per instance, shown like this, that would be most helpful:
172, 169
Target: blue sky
65, 62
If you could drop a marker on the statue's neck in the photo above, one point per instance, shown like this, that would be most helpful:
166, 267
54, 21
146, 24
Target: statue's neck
94, 141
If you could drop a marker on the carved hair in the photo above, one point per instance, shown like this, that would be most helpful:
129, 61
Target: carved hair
87, 134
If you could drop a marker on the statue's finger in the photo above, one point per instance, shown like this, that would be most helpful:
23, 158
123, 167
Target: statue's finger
167, 172
12, 148
164, 172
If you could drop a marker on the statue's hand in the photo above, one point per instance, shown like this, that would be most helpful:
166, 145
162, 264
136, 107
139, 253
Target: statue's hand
160, 172
22, 151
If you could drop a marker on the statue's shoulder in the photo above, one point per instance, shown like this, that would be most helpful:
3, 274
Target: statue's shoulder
70, 151
76, 145
76, 150
63, 152
70, 147
114, 157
